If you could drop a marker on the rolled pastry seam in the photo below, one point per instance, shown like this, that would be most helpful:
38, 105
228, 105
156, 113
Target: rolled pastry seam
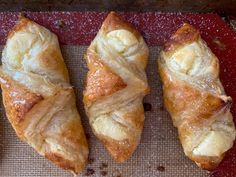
195, 97
38, 98
115, 86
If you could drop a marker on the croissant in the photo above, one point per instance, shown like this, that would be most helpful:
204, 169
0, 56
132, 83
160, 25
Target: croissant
38, 98
115, 86
195, 97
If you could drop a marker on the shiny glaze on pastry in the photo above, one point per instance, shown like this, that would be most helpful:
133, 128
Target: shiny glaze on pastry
115, 86
38, 98
195, 97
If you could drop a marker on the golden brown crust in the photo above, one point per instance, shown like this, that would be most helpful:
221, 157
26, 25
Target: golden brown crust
120, 151
18, 101
114, 22
39, 101
120, 127
177, 103
135, 117
64, 163
60, 161
71, 132
179, 95
123, 150
20, 24
51, 59
193, 106
184, 35
206, 162
101, 81
36, 44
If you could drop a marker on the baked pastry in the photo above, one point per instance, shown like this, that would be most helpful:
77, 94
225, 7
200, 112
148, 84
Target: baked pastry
38, 98
115, 87
195, 97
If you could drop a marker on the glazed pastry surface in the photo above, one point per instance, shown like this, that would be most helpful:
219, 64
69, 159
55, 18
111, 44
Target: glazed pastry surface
195, 97
115, 86
38, 98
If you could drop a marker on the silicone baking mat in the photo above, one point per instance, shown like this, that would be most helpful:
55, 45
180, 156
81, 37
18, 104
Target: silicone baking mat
159, 152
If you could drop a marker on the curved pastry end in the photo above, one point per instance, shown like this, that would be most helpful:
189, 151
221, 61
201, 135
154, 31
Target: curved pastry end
185, 34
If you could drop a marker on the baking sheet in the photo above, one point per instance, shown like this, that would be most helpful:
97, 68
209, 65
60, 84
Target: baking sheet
159, 152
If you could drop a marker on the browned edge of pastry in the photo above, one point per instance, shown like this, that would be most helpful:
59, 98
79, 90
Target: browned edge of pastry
114, 22
184, 35
21, 23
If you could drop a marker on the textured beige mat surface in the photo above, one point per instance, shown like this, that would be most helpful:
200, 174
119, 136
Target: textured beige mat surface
159, 152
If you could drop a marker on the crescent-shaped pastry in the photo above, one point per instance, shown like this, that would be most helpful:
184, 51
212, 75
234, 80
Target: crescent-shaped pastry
38, 98
115, 87
195, 97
